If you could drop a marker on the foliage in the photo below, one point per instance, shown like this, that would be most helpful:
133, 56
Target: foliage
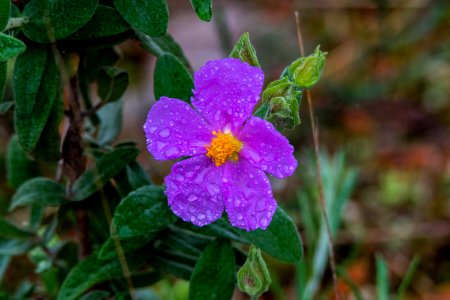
98, 194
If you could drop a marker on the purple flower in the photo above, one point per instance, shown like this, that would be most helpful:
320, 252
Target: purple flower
230, 149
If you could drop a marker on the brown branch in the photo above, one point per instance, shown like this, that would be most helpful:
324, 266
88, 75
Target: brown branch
315, 134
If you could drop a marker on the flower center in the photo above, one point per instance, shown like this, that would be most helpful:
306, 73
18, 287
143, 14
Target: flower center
223, 146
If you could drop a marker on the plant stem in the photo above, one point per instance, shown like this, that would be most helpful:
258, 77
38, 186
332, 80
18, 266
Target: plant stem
315, 134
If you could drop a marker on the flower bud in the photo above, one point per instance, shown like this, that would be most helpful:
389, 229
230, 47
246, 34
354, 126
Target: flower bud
306, 71
253, 277
282, 98
244, 51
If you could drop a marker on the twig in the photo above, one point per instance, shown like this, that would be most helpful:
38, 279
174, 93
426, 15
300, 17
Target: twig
315, 134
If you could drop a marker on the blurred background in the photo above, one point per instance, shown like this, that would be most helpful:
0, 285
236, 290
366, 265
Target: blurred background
383, 112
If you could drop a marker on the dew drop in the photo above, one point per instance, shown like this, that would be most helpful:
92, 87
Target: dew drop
237, 202
160, 145
260, 205
263, 221
191, 208
172, 123
172, 151
165, 133
239, 216
217, 115
179, 177
152, 129
201, 216
192, 197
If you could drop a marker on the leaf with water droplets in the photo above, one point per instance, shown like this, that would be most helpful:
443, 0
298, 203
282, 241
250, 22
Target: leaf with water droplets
172, 79
143, 211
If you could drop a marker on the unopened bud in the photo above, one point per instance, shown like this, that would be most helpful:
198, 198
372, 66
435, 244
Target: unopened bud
253, 277
244, 51
306, 71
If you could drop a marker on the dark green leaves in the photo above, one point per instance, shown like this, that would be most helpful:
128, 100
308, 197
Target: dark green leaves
280, 240
172, 79
112, 83
5, 9
36, 84
203, 9
52, 20
150, 17
8, 230
213, 276
107, 167
105, 22
3, 69
10, 47
90, 272
158, 46
244, 51
39, 191
19, 166
142, 212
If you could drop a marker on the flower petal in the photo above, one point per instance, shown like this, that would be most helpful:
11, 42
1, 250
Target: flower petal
193, 190
173, 129
249, 200
226, 92
265, 148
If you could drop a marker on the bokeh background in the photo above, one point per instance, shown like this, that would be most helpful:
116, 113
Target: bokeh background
383, 112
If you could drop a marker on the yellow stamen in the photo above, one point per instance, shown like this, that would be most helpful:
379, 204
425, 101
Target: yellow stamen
223, 146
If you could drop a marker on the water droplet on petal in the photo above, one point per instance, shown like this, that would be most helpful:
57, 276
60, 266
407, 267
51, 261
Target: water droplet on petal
172, 123
237, 202
192, 197
201, 216
160, 145
217, 115
172, 151
260, 205
165, 133
179, 177
263, 221
152, 129
239, 216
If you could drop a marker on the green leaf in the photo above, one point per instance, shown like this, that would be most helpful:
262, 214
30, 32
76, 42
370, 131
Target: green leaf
109, 251
14, 247
244, 51
280, 240
408, 277
52, 20
150, 17
110, 117
105, 22
159, 46
92, 271
96, 295
203, 9
19, 166
94, 60
106, 168
39, 191
48, 147
10, 47
6, 106
5, 10
382, 278
3, 78
213, 276
36, 84
4, 262
172, 79
112, 83
8, 230
142, 212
